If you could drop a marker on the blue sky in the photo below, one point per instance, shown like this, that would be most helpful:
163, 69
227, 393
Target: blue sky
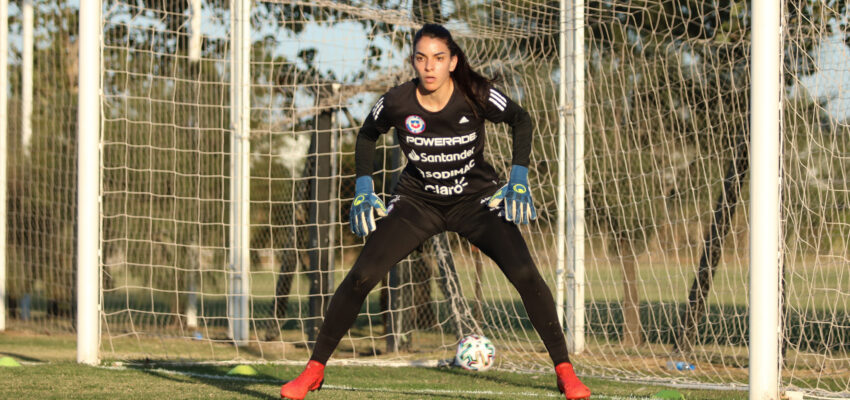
343, 46
830, 86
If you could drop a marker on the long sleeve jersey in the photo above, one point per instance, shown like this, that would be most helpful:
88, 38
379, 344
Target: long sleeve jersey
444, 149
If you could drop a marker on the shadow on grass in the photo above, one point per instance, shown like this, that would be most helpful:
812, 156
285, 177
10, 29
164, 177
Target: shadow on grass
545, 381
20, 357
218, 379
366, 391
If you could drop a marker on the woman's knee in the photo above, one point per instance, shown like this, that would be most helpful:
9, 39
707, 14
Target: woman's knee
361, 281
523, 275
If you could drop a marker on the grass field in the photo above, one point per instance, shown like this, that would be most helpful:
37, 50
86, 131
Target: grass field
813, 282
138, 326
49, 371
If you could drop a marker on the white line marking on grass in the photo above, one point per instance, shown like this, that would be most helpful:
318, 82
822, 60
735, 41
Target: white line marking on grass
364, 389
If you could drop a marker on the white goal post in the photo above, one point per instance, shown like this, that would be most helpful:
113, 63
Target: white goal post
88, 189
765, 122
178, 177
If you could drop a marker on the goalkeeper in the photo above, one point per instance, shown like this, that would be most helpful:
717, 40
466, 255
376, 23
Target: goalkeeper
446, 186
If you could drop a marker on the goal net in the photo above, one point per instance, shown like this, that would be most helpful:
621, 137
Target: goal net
665, 184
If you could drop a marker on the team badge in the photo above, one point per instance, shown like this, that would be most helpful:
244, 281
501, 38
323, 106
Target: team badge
415, 124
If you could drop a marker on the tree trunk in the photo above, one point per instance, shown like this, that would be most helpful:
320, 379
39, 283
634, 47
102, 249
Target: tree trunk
319, 222
724, 211
422, 300
632, 330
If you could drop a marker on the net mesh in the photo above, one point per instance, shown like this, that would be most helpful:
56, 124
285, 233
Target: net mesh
666, 186
41, 157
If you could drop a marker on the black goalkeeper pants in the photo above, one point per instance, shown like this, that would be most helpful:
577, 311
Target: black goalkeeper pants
410, 222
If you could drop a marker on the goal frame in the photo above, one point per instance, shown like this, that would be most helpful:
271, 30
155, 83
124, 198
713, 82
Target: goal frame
765, 128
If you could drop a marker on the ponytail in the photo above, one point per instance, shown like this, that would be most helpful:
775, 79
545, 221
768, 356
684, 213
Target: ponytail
474, 86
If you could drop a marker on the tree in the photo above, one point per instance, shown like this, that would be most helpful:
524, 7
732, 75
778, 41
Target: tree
686, 71
41, 186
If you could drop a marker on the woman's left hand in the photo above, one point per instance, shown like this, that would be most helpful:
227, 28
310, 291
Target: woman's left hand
519, 206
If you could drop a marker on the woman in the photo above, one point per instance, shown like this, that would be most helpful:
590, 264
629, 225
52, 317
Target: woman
446, 186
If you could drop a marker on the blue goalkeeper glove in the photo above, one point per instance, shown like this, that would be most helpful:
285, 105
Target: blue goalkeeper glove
362, 217
519, 208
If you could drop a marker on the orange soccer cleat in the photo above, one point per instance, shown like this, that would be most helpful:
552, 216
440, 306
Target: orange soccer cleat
311, 379
569, 384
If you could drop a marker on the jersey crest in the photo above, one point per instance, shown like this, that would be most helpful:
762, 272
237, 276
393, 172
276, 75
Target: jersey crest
414, 124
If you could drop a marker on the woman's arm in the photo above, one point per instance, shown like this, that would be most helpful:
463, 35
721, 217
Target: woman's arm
364, 152
500, 108
374, 126
366, 202
519, 206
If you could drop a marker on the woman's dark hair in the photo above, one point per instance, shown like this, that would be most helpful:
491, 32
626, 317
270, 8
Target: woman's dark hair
474, 86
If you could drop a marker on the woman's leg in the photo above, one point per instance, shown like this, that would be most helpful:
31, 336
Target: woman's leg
408, 224
502, 241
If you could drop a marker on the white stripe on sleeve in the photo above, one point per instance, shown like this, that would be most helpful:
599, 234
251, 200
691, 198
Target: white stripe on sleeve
376, 110
496, 103
498, 100
495, 93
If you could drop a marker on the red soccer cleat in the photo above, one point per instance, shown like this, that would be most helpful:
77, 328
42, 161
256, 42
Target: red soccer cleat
311, 379
569, 384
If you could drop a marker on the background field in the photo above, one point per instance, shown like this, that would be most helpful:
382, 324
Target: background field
49, 371
651, 98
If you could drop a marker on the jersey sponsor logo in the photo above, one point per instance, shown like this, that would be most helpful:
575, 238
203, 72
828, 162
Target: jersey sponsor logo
463, 120
377, 108
447, 190
394, 200
439, 158
498, 100
441, 141
448, 174
414, 124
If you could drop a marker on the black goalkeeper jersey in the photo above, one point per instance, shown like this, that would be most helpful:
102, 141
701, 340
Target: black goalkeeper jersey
444, 149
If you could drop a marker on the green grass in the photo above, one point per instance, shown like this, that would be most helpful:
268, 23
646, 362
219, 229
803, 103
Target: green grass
49, 372
813, 281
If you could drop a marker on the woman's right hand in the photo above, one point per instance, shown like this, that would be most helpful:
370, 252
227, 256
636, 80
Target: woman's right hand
366, 202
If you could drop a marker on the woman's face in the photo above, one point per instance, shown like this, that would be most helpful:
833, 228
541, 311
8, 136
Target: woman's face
433, 63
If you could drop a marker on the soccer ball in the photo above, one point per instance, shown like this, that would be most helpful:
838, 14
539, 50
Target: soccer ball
475, 353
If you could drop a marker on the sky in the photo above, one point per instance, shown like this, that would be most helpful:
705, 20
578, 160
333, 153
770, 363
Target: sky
341, 48
830, 85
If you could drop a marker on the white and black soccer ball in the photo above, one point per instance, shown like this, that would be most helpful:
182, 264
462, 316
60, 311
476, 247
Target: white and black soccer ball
475, 353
